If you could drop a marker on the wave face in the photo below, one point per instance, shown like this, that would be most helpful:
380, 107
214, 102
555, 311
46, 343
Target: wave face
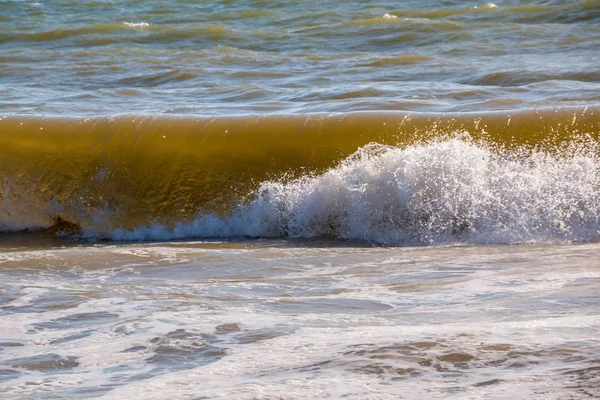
414, 179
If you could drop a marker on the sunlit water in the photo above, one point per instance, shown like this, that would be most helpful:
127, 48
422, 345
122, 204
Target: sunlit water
299, 199
246, 57
276, 319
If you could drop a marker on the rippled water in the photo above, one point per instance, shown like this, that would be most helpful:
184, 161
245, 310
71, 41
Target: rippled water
288, 200
244, 57
269, 319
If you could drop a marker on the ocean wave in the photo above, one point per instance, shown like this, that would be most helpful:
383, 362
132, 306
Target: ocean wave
518, 177
445, 191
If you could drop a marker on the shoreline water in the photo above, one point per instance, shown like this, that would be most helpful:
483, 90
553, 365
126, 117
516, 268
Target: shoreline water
300, 199
157, 319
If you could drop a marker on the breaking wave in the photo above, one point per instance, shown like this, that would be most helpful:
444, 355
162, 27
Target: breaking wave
394, 178
445, 191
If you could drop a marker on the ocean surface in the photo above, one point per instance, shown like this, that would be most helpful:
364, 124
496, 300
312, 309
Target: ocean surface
293, 199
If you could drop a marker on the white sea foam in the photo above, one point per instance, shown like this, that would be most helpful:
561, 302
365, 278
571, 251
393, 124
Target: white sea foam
445, 191
308, 321
488, 5
137, 24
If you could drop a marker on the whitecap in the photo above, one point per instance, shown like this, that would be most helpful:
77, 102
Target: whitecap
447, 191
137, 24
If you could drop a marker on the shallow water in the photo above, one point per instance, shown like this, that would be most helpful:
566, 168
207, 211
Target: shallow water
300, 319
289, 200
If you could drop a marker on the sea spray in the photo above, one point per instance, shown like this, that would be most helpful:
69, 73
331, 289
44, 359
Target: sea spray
387, 178
452, 190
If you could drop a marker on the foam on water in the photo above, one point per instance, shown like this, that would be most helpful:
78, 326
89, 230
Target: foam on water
137, 24
254, 321
444, 191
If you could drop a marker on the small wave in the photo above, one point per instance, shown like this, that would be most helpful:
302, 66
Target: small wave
154, 80
405, 59
136, 24
67, 33
488, 5
407, 24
